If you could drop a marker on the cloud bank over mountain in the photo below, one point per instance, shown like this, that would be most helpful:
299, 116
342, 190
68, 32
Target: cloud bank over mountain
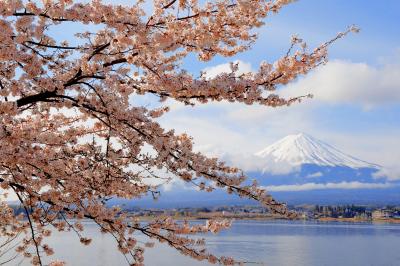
319, 186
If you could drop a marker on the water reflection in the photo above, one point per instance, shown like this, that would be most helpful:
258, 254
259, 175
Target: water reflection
269, 242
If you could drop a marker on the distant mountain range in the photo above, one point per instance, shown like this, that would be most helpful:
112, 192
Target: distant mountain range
314, 172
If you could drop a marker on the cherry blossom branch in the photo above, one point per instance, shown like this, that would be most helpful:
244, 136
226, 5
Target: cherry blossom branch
31, 227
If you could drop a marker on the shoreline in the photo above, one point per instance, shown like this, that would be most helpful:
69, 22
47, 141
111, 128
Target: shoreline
359, 220
260, 217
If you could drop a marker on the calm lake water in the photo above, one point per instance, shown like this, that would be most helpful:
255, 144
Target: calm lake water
262, 242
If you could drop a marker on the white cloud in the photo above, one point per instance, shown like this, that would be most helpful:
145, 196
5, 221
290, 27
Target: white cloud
319, 186
377, 146
236, 128
314, 175
226, 68
250, 162
216, 136
390, 172
8, 195
338, 82
176, 184
351, 83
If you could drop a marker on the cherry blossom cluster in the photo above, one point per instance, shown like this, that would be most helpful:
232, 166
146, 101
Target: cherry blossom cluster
71, 139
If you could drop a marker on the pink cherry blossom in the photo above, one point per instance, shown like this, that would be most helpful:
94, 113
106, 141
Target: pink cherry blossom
70, 138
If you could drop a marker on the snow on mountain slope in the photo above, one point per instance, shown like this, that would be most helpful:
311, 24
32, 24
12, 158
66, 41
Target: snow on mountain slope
304, 149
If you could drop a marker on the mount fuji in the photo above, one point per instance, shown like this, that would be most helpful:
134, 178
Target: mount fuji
298, 169
320, 173
303, 149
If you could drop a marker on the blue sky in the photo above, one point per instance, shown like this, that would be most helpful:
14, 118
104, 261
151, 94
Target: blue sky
316, 21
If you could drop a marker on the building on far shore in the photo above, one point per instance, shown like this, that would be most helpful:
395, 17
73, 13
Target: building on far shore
382, 214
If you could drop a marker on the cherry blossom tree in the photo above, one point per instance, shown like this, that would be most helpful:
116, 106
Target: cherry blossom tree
71, 138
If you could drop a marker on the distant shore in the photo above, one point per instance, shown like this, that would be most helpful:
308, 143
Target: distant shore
250, 216
360, 220
212, 215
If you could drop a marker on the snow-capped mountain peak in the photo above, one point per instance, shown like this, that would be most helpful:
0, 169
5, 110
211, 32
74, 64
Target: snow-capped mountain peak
302, 149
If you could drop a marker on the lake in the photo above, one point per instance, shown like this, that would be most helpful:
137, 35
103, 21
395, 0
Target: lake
259, 242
